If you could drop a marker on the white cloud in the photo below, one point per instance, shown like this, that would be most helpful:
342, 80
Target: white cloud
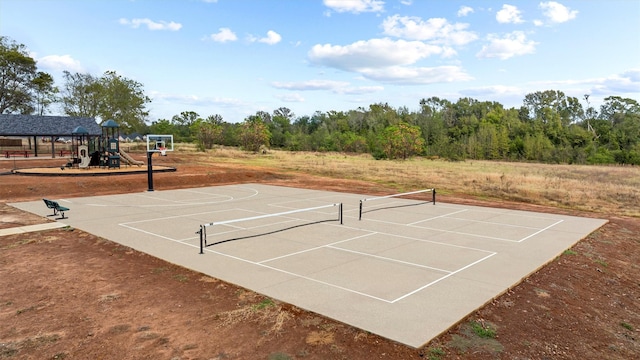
556, 12
360, 90
513, 44
272, 38
493, 89
509, 14
437, 30
224, 35
388, 61
404, 75
290, 97
406, 2
151, 25
59, 63
355, 6
197, 100
464, 11
626, 83
338, 87
374, 53
310, 85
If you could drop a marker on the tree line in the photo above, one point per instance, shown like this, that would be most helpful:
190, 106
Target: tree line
549, 127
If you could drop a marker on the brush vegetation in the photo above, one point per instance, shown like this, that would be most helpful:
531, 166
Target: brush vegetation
606, 189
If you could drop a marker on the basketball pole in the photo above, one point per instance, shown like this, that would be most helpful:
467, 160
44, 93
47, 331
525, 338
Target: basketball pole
150, 170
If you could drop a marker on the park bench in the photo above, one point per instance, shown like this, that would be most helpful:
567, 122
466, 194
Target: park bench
55, 207
9, 153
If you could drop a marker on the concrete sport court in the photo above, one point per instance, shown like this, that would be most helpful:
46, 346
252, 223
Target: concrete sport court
407, 271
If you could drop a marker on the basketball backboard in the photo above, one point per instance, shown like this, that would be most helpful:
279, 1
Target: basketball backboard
159, 143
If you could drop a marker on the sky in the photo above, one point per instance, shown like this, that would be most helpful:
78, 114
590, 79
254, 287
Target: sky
236, 57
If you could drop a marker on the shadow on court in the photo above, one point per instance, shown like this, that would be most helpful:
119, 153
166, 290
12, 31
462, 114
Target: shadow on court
395, 207
269, 232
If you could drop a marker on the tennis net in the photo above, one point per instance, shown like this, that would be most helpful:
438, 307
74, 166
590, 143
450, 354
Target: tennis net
203, 227
433, 198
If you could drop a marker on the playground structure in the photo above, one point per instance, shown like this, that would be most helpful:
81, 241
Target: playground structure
103, 151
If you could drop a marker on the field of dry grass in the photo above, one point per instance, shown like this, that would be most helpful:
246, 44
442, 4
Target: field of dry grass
612, 190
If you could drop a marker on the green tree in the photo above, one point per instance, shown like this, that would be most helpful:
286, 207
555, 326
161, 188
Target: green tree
254, 134
81, 95
17, 71
401, 141
183, 125
162, 126
207, 132
280, 127
45, 92
108, 97
123, 100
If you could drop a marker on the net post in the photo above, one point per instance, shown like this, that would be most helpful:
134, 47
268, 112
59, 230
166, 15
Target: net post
433, 191
150, 170
340, 213
201, 231
360, 212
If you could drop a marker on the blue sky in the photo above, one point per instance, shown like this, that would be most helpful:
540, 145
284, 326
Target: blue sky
236, 57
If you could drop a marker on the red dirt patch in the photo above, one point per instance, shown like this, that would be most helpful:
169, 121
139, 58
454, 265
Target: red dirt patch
70, 294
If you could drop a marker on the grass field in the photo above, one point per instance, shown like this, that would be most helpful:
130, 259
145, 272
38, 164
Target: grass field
613, 190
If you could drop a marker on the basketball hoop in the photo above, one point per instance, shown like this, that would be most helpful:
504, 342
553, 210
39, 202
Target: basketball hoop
163, 151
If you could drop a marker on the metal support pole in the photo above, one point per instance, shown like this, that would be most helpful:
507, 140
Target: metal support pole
150, 170
434, 196
201, 239
360, 212
340, 214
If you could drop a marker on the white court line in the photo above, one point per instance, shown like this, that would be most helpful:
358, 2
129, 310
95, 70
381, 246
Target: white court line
423, 240
442, 278
312, 249
236, 228
150, 233
444, 231
494, 223
126, 224
332, 246
541, 230
160, 199
261, 263
387, 259
436, 217
230, 198
186, 215
299, 276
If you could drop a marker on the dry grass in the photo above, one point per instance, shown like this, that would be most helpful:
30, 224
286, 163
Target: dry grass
613, 190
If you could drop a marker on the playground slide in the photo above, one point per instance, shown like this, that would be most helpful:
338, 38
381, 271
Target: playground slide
129, 160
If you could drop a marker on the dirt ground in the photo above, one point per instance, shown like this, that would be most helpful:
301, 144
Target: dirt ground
67, 294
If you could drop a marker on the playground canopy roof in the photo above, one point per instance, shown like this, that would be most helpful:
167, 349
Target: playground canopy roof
35, 125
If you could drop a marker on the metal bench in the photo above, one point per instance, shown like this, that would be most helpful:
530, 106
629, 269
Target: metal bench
55, 207
9, 153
